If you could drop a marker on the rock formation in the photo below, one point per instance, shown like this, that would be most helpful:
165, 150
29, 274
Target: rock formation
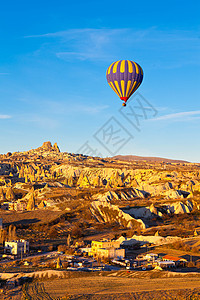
2, 197
56, 148
31, 202
10, 194
104, 211
120, 184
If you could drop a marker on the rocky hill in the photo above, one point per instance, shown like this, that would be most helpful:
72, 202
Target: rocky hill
127, 192
147, 158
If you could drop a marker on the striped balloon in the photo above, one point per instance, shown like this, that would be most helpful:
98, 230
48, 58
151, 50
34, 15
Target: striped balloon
124, 77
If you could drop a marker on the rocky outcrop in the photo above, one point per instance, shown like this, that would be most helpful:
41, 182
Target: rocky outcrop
156, 189
143, 212
179, 207
104, 211
47, 146
2, 197
120, 195
10, 194
56, 148
42, 204
176, 194
152, 211
126, 182
145, 182
31, 202
83, 181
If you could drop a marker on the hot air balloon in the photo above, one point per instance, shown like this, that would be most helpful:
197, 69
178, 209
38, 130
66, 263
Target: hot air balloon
124, 77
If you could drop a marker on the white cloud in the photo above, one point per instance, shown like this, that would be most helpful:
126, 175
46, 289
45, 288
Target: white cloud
5, 117
63, 108
180, 116
90, 109
82, 44
100, 33
106, 44
40, 121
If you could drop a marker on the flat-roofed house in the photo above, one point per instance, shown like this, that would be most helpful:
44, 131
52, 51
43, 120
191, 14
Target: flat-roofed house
95, 245
18, 248
107, 249
111, 253
166, 264
151, 256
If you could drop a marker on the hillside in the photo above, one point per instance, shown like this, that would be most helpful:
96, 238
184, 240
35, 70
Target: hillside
147, 159
80, 195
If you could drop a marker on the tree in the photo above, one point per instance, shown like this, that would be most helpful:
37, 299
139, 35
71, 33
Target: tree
3, 235
50, 248
62, 248
76, 232
53, 232
12, 233
69, 240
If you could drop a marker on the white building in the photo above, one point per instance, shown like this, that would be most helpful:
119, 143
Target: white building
106, 249
19, 248
166, 264
150, 256
111, 253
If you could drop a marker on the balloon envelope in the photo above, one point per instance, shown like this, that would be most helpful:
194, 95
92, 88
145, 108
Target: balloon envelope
124, 77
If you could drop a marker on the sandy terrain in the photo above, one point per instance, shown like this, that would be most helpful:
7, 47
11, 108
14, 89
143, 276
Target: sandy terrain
115, 286
109, 286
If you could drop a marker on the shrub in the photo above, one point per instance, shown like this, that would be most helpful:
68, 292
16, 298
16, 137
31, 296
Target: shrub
77, 231
53, 232
62, 248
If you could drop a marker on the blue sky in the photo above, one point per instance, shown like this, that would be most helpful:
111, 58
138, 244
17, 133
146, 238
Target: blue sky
53, 59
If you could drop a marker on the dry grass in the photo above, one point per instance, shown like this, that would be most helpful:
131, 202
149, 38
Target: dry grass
119, 287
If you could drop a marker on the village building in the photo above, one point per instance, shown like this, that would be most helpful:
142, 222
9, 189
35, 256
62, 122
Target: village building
18, 248
140, 260
178, 261
110, 253
20, 206
164, 264
150, 256
95, 245
107, 249
17, 205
